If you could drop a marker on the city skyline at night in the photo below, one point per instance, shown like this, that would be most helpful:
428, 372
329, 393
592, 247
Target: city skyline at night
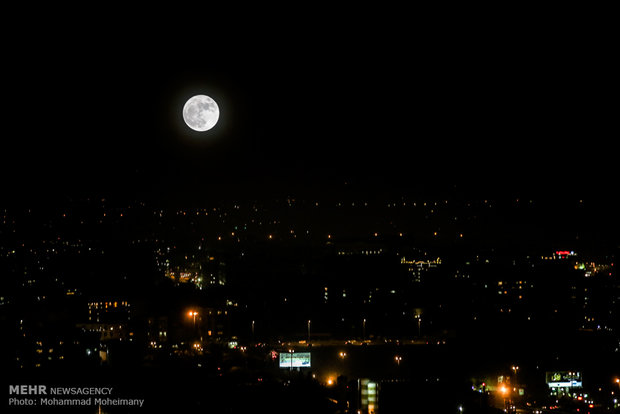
399, 223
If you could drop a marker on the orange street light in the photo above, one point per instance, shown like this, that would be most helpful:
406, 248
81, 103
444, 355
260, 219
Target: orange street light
193, 314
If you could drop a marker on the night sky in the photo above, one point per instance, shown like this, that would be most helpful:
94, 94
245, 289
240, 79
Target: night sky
352, 149
98, 110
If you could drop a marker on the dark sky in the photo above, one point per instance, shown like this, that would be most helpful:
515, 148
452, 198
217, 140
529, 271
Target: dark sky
95, 109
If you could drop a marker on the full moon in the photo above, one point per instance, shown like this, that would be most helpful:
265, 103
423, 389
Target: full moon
201, 113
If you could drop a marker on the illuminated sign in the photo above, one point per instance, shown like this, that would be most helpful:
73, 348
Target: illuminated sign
295, 360
564, 379
565, 253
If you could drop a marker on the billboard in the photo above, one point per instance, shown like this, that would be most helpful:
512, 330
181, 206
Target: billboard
561, 379
295, 360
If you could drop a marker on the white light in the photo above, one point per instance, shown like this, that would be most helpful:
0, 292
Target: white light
201, 113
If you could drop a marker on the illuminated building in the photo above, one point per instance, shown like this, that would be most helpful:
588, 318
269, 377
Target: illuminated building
109, 318
108, 331
157, 331
560, 255
190, 274
205, 322
369, 396
417, 268
359, 249
109, 311
208, 274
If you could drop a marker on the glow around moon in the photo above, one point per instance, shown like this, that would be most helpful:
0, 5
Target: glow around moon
201, 113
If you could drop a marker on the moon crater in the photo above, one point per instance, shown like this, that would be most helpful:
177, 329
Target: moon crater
201, 113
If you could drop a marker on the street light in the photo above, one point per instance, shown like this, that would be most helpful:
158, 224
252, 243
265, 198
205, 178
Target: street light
418, 316
193, 314
308, 330
506, 394
515, 369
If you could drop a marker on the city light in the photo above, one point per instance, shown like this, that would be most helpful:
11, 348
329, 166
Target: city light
193, 314
322, 219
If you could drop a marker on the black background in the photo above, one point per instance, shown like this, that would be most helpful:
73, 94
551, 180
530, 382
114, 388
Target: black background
500, 110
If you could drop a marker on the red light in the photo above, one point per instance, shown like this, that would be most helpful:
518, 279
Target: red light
484, 384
